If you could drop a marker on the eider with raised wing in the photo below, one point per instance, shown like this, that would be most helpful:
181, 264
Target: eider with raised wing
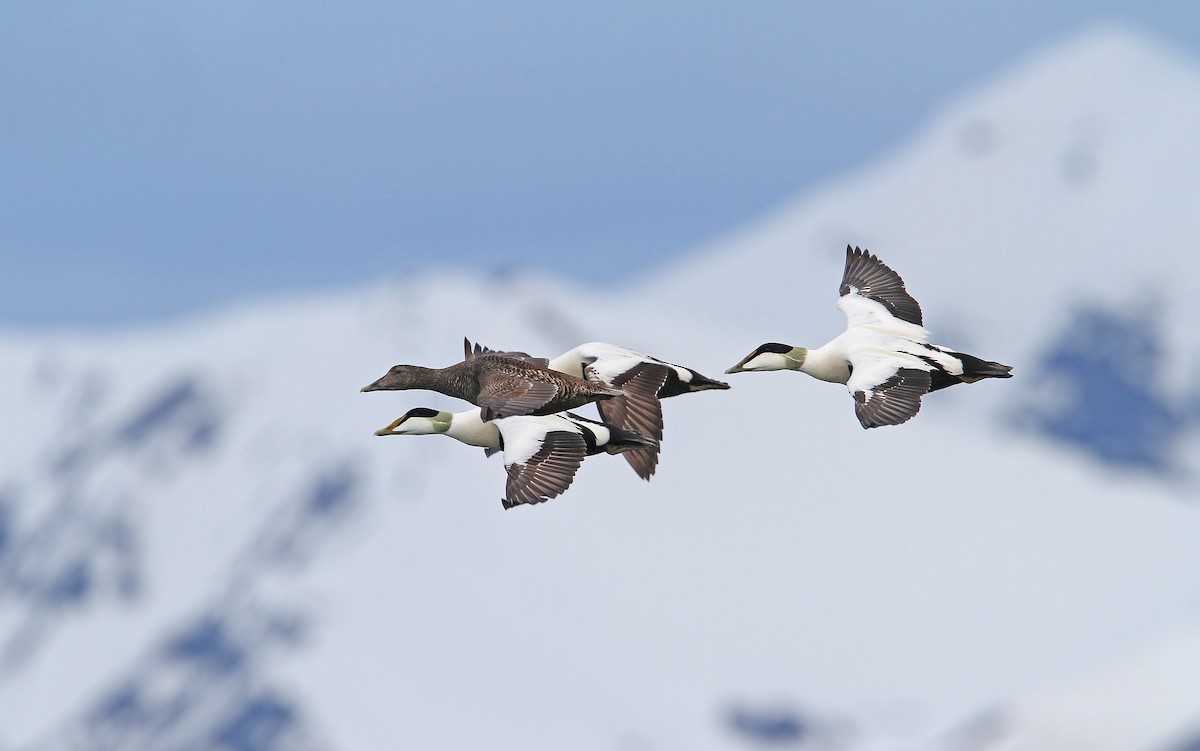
645, 380
502, 384
883, 357
541, 453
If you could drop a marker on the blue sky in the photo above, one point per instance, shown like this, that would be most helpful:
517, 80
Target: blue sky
160, 158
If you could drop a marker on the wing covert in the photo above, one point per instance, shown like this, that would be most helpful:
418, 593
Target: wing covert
508, 395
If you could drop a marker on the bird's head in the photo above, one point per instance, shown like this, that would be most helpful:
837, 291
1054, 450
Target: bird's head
772, 356
398, 378
419, 421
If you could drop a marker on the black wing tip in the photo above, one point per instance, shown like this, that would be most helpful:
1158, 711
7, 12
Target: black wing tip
872, 422
644, 462
508, 503
876, 280
855, 253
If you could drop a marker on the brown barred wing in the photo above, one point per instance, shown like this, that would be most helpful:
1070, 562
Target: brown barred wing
506, 394
640, 411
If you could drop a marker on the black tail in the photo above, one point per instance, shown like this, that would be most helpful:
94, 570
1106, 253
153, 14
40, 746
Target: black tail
640, 451
975, 369
621, 440
703, 383
675, 386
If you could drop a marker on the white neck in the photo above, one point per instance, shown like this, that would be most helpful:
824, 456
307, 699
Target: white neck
470, 428
826, 364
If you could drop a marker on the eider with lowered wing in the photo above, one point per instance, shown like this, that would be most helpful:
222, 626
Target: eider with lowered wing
883, 356
541, 453
645, 380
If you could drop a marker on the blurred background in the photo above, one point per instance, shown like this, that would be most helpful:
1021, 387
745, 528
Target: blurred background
219, 220
160, 159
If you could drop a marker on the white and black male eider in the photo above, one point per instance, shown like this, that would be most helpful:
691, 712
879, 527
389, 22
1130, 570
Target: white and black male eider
644, 379
541, 453
883, 357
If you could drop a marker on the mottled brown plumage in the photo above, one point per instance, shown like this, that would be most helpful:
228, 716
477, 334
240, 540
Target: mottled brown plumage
502, 384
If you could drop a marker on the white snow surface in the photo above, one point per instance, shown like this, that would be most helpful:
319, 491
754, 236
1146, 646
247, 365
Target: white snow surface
892, 586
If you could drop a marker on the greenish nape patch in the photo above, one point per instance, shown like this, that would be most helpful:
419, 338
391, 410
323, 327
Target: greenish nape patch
441, 421
795, 357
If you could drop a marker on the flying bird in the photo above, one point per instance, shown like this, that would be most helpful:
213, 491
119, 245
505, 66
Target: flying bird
883, 357
541, 453
645, 380
502, 384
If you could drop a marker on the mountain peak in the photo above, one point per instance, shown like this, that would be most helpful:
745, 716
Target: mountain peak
1105, 68
1111, 45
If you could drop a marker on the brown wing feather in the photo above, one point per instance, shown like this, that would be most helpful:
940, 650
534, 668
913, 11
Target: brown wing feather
478, 350
876, 281
504, 394
548, 472
639, 410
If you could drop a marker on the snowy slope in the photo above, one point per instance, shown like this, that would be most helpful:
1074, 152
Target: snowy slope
202, 545
1058, 197
1145, 702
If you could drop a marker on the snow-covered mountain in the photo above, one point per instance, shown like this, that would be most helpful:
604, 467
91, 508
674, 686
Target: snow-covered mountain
202, 545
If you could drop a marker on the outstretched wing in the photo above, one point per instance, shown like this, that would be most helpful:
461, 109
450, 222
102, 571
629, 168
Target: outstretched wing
885, 392
540, 465
869, 278
504, 394
639, 410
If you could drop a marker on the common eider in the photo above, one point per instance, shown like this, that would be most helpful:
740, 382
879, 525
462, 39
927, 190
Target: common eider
883, 357
541, 453
645, 380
